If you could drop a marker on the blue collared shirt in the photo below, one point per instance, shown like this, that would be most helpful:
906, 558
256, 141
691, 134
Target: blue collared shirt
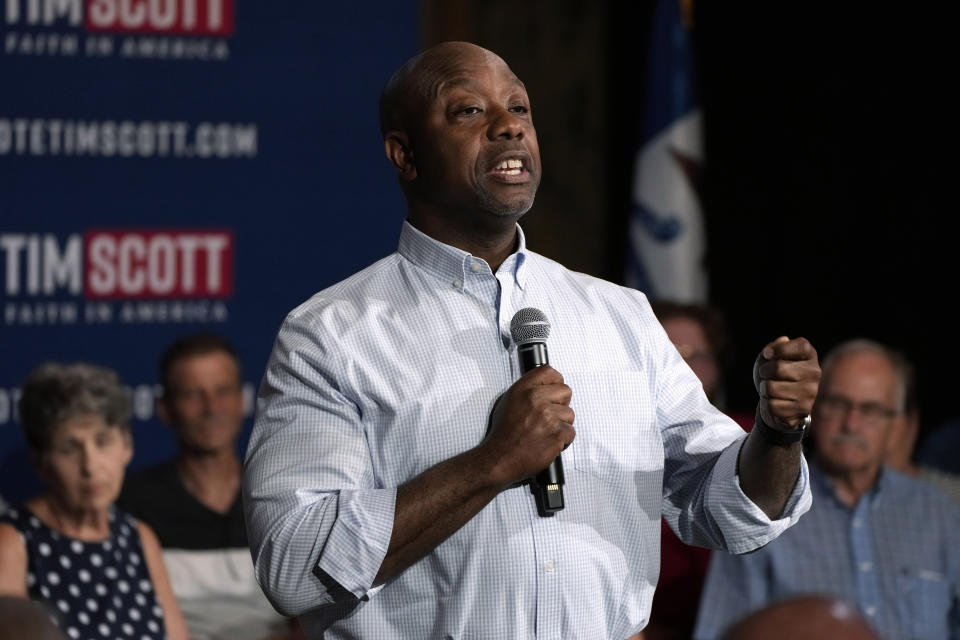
378, 378
895, 555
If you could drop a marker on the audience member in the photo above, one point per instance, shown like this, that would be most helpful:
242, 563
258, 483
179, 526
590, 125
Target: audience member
874, 537
901, 448
193, 502
802, 618
22, 619
386, 482
97, 571
699, 333
940, 449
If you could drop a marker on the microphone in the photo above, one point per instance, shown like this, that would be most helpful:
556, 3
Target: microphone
530, 330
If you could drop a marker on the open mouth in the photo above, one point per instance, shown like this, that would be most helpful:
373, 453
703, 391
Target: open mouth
510, 167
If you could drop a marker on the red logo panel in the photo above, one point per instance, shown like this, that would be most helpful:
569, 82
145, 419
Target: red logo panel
175, 17
168, 263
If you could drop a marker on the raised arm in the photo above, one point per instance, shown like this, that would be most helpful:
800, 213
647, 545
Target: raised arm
787, 376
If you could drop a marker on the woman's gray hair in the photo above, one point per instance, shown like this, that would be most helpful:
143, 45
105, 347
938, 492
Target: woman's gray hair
54, 393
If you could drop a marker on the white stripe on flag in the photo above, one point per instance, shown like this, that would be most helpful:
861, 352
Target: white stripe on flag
666, 227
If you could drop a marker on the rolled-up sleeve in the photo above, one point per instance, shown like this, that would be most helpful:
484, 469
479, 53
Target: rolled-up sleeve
311, 504
745, 526
703, 501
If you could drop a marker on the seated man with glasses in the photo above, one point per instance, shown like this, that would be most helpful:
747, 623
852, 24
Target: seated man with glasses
879, 540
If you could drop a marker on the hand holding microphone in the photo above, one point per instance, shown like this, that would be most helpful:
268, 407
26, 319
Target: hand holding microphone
532, 422
530, 330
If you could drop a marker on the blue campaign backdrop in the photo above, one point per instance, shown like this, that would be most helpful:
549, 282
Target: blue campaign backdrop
173, 166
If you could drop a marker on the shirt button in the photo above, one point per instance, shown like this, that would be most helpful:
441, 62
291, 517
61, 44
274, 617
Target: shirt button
475, 267
866, 566
458, 283
856, 523
871, 611
548, 566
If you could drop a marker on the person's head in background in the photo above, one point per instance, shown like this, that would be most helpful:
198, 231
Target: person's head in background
22, 619
202, 397
906, 428
802, 617
699, 333
863, 392
76, 422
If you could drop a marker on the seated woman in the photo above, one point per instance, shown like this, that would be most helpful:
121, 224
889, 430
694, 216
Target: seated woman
98, 572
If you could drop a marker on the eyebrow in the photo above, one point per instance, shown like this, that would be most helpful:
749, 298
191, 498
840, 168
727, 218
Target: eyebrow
466, 81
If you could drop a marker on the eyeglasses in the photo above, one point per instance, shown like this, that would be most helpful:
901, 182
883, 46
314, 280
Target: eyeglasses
872, 413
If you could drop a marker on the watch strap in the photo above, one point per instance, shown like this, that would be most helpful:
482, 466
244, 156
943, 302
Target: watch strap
781, 436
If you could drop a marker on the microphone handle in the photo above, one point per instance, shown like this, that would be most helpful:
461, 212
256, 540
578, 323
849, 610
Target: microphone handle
546, 486
532, 355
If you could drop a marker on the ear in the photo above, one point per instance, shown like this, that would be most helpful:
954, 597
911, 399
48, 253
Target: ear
160, 406
400, 154
897, 447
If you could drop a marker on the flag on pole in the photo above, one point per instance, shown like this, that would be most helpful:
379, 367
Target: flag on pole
667, 234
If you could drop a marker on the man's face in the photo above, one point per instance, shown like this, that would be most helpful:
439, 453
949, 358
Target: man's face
204, 403
855, 412
475, 148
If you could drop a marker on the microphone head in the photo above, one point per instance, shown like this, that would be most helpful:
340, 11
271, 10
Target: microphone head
529, 325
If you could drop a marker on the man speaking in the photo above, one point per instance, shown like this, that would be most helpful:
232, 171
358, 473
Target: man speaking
387, 480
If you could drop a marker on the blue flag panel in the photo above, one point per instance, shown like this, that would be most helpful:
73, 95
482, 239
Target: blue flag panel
667, 234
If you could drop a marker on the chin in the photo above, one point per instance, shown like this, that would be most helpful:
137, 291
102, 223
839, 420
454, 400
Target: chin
519, 207
207, 448
850, 463
509, 207
91, 503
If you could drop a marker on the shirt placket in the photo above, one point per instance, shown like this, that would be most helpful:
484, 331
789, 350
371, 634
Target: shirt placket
864, 564
547, 565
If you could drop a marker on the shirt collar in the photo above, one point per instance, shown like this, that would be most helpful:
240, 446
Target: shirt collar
450, 264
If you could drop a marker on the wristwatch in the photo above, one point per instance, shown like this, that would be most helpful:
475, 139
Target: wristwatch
782, 436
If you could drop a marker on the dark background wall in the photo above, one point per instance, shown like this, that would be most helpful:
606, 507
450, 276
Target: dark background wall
828, 140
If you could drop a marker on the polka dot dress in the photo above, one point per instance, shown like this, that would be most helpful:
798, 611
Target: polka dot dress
92, 590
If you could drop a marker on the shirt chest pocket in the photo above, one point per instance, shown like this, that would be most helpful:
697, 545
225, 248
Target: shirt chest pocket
615, 423
924, 603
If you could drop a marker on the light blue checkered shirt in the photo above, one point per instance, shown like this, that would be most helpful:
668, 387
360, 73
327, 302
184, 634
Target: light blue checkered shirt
395, 369
895, 556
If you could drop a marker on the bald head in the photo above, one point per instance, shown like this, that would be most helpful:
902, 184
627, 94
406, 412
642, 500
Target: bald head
458, 128
803, 617
418, 80
21, 618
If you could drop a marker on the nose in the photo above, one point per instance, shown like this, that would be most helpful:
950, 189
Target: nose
87, 454
852, 418
208, 400
504, 125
